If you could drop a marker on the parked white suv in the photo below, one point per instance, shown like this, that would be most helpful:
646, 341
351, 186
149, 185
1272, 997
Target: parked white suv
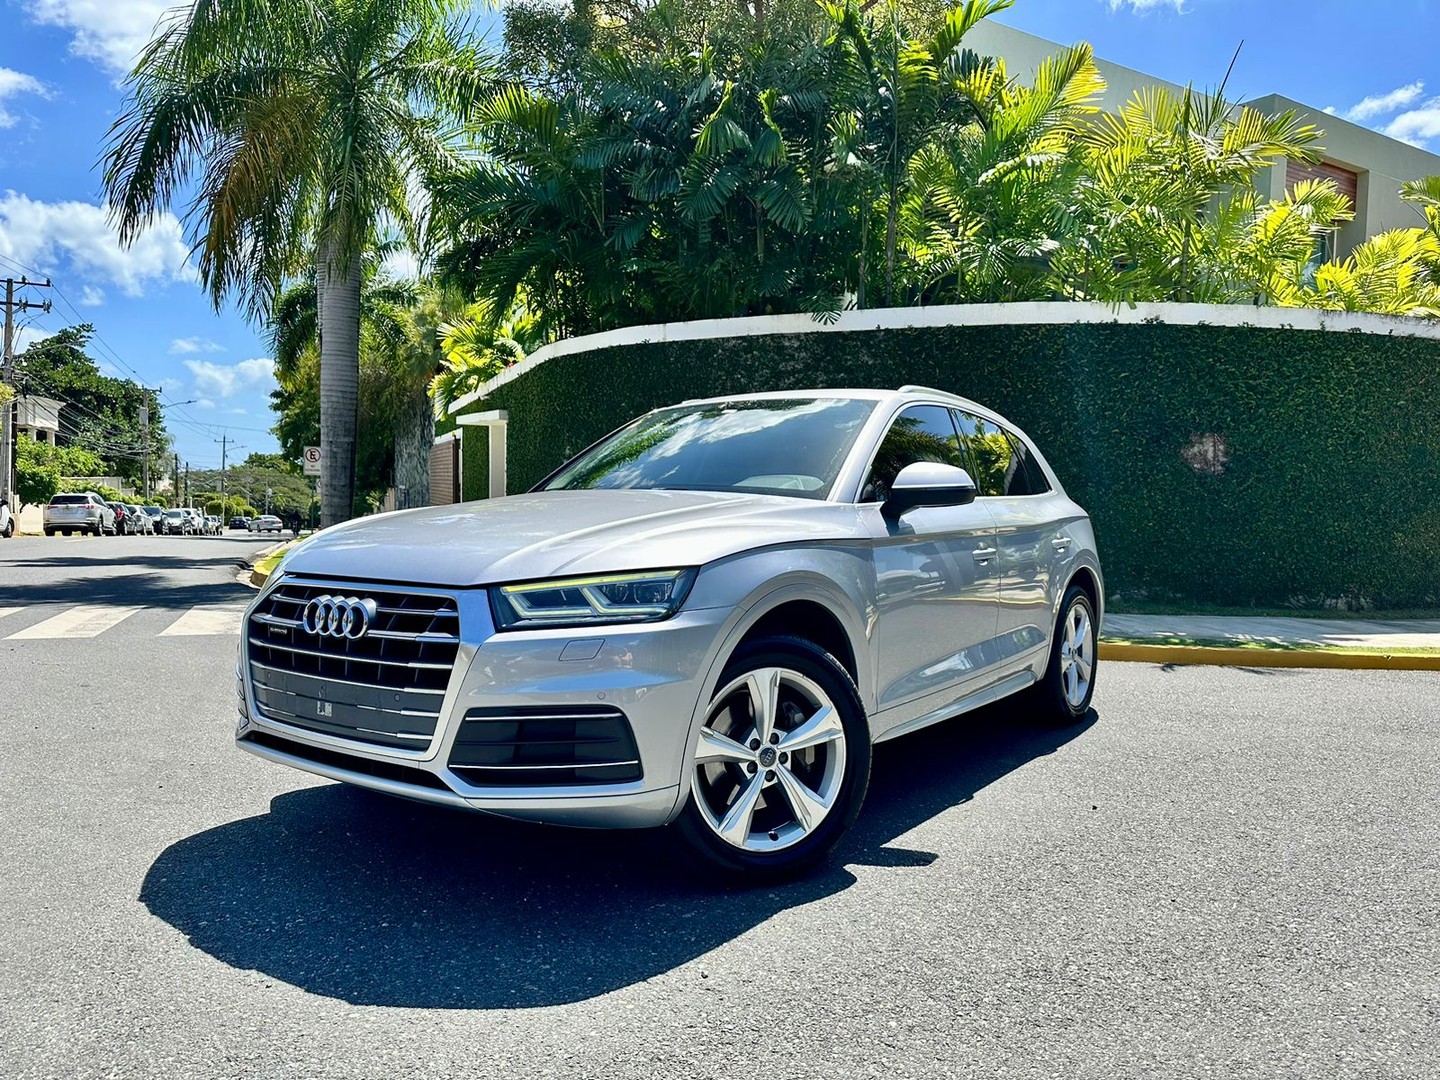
81, 512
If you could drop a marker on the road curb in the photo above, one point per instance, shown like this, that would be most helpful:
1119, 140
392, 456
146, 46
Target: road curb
1350, 660
259, 577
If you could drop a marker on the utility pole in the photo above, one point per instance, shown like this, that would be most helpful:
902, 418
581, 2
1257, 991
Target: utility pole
7, 374
145, 449
224, 443
175, 481
187, 483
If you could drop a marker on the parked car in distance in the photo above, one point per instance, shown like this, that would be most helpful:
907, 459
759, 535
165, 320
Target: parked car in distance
268, 523
156, 517
178, 523
705, 621
217, 526
239, 522
196, 519
123, 525
80, 512
140, 520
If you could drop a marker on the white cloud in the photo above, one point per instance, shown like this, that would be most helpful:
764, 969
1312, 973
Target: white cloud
223, 380
1385, 104
186, 345
110, 32
16, 82
1147, 5
238, 412
90, 296
205, 403
43, 235
25, 336
1417, 126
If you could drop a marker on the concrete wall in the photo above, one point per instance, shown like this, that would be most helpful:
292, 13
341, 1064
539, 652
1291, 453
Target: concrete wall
1023, 53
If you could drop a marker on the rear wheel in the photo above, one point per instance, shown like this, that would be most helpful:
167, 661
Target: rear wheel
781, 764
1063, 695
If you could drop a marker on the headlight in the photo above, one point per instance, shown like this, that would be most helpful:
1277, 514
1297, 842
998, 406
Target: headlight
611, 598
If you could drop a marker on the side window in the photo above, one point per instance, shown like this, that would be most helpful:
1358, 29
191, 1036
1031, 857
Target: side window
920, 433
1029, 478
991, 452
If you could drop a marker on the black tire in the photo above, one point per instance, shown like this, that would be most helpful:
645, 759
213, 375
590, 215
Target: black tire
704, 849
9, 529
49, 532
1054, 707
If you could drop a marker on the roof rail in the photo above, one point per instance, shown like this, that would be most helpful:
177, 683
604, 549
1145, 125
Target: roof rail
910, 388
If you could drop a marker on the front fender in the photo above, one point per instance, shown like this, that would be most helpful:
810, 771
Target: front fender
753, 585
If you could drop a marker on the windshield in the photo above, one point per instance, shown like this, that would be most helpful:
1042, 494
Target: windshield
784, 446
70, 500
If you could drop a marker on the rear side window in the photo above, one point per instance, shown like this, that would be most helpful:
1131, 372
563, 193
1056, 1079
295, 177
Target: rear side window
1003, 463
1028, 478
920, 433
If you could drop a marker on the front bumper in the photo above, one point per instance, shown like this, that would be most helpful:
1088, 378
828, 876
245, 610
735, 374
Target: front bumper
652, 673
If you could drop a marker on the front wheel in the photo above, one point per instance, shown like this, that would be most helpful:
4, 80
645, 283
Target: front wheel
781, 763
1063, 695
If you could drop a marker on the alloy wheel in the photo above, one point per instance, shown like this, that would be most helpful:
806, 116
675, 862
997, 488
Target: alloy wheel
770, 760
1077, 655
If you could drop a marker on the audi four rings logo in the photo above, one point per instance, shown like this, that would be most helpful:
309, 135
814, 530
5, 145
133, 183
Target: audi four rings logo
339, 617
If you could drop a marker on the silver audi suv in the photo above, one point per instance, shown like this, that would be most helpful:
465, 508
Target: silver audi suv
703, 621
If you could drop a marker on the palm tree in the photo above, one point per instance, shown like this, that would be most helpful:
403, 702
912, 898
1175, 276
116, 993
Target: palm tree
401, 325
1155, 172
991, 204
305, 126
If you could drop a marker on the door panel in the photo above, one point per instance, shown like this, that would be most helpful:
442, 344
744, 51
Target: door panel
934, 619
1015, 491
935, 601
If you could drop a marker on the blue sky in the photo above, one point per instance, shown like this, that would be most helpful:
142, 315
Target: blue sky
61, 62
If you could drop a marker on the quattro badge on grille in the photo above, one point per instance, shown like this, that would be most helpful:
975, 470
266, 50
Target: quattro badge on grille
343, 617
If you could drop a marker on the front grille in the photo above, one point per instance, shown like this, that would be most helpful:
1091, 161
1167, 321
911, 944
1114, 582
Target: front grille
537, 746
385, 688
385, 770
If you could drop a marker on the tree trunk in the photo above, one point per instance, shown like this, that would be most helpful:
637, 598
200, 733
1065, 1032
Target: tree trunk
414, 436
337, 292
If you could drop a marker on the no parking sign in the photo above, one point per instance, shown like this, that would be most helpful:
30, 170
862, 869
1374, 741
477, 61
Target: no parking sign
311, 460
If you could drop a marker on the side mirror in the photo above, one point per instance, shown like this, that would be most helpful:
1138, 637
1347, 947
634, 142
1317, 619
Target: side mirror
928, 483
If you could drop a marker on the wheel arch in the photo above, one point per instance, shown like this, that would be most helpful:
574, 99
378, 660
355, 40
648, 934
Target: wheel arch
782, 609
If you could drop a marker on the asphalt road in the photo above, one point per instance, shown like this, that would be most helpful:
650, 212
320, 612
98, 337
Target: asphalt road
1223, 873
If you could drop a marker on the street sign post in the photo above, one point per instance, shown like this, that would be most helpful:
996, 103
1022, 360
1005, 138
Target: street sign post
311, 460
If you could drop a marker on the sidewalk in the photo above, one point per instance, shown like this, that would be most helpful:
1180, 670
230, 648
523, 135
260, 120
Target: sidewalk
1408, 645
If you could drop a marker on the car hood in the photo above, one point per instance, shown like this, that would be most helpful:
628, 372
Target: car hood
554, 533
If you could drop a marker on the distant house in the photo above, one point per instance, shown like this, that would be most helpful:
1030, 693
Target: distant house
1367, 167
38, 417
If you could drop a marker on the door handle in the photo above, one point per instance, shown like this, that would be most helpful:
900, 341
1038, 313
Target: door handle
1060, 543
983, 554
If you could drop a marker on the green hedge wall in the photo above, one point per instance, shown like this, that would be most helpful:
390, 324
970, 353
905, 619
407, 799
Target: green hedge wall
1329, 442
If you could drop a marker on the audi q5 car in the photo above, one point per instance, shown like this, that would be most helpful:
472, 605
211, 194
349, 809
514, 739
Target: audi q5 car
703, 621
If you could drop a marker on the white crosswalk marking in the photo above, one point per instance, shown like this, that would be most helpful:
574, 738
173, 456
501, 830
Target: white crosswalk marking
206, 620
87, 621
9, 611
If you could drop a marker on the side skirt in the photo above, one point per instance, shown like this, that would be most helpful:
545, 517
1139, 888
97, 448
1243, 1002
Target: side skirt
986, 695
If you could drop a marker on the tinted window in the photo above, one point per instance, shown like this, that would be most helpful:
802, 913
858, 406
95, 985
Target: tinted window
990, 450
69, 500
783, 446
920, 433
1029, 478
